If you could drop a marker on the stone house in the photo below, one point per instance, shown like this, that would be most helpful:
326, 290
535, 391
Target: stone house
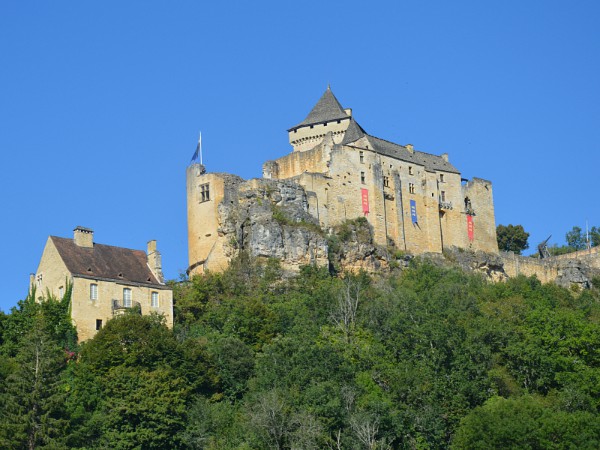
415, 201
106, 280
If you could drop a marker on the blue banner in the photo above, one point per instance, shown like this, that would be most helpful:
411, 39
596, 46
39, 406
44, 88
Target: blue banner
413, 211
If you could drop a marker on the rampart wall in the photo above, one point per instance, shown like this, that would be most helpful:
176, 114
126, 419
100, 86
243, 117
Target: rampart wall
548, 269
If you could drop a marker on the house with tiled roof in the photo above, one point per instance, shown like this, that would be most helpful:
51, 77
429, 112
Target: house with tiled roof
416, 202
106, 280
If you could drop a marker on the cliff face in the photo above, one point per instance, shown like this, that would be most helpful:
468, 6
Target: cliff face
270, 219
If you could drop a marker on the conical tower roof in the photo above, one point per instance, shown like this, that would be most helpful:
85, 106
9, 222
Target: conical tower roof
327, 109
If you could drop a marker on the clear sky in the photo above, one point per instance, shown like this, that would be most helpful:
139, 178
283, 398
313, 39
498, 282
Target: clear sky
101, 104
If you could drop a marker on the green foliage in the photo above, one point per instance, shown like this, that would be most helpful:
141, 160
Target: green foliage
512, 238
429, 357
32, 411
280, 216
556, 250
576, 239
526, 422
595, 236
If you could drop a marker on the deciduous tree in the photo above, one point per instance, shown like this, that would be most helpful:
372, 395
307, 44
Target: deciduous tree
512, 238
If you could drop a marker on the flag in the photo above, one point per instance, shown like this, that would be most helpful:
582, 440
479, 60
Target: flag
413, 211
198, 153
470, 228
365, 200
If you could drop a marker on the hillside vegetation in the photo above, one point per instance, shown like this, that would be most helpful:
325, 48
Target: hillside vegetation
428, 357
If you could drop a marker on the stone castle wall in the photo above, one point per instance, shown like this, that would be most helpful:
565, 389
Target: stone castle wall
334, 177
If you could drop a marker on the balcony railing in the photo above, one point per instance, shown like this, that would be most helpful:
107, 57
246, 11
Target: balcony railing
445, 205
119, 308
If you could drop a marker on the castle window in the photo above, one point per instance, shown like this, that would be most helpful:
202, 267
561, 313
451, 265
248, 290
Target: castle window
362, 177
204, 193
441, 177
98, 324
443, 196
361, 155
127, 298
93, 291
39, 280
410, 170
411, 188
154, 299
61, 292
386, 181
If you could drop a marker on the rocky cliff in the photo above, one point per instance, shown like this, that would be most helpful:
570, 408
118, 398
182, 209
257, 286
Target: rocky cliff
270, 219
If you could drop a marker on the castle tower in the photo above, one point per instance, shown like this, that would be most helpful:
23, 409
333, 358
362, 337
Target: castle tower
327, 115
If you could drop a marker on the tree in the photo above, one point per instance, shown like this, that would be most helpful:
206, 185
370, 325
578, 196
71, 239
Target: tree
576, 239
526, 422
32, 411
595, 236
512, 238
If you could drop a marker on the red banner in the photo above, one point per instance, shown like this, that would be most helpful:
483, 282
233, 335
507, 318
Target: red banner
365, 200
470, 228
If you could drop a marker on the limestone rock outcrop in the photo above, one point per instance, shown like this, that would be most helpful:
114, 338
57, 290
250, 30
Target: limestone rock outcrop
488, 264
352, 248
270, 219
574, 272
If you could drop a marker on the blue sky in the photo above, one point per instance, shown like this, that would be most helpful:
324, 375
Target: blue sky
101, 104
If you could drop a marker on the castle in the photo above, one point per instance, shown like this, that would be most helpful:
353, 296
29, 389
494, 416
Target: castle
416, 202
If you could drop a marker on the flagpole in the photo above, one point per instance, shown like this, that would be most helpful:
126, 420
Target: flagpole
200, 146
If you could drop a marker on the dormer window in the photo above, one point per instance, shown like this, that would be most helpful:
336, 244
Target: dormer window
441, 177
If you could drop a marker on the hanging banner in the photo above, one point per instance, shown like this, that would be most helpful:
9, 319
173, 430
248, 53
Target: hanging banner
470, 228
365, 200
413, 211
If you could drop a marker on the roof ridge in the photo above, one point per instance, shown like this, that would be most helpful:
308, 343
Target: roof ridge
103, 245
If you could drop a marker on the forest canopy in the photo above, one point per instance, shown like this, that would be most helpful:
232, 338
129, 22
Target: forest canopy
429, 357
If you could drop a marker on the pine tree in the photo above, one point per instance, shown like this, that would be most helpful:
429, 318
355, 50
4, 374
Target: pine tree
32, 414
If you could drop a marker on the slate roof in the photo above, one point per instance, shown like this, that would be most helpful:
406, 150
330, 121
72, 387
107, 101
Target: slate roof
106, 262
353, 133
327, 109
431, 162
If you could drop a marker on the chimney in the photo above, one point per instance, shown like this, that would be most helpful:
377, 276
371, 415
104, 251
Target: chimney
154, 260
410, 148
445, 156
348, 111
83, 237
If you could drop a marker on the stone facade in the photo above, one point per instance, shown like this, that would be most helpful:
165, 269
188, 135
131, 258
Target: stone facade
101, 276
415, 201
